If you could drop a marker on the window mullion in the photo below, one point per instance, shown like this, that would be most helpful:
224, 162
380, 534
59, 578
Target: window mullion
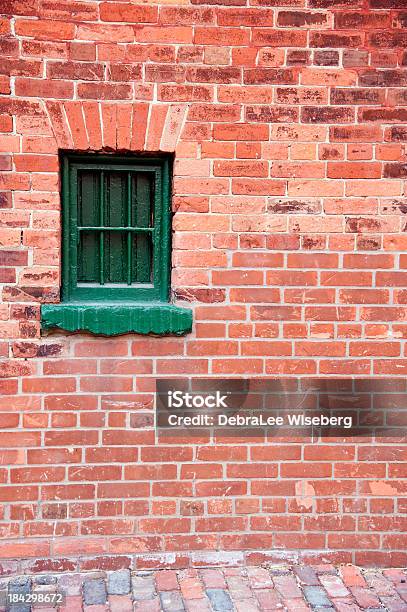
129, 234
121, 228
101, 233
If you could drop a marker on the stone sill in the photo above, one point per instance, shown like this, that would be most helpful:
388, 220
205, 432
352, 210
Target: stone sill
111, 319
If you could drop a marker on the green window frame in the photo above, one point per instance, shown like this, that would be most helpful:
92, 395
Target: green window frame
116, 229
116, 247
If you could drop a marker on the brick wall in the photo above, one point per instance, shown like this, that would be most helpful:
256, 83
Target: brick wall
287, 122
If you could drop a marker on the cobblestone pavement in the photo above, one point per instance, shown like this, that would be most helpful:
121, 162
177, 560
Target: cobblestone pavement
322, 588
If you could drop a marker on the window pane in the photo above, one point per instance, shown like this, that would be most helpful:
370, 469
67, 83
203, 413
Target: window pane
142, 266
119, 210
115, 257
88, 258
116, 199
143, 202
88, 198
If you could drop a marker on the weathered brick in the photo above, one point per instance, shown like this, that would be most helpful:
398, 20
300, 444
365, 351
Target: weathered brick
330, 39
319, 114
128, 13
45, 30
286, 123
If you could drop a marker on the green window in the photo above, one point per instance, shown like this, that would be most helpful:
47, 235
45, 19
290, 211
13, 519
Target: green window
116, 251
116, 224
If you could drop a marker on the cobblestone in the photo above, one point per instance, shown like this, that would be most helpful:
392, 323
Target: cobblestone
220, 600
119, 583
286, 588
94, 592
171, 601
143, 587
316, 596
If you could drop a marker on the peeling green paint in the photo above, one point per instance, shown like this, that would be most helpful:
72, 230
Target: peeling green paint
111, 319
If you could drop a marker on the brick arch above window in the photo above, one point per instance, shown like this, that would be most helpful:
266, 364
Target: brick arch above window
109, 128
104, 126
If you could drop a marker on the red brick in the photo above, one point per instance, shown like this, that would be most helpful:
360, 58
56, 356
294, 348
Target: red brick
49, 385
320, 114
336, 39
328, 349
257, 187
102, 32
45, 30
36, 163
261, 348
258, 76
82, 51
185, 93
328, 76
279, 38
220, 36
115, 384
354, 170
356, 96
167, 34
128, 13
302, 19
85, 71
104, 91
241, 132
288, 225
240, 168
186, 15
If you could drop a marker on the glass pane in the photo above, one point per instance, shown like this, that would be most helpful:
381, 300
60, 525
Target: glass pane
88, 258
88, 198
116, 199
115, 257
142, 265
142, 215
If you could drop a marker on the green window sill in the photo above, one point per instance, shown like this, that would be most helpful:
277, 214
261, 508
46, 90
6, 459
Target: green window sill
118, 318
